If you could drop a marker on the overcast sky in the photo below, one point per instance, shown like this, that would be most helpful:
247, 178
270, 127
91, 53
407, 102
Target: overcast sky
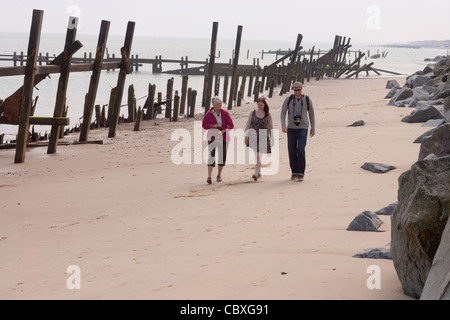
374, 21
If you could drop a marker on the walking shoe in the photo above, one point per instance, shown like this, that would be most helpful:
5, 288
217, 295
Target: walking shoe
300, 178
294, 177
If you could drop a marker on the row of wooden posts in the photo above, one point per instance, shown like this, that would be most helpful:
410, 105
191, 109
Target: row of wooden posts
17, 109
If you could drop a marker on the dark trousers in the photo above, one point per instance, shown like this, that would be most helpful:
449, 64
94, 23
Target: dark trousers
297, 139
222, 153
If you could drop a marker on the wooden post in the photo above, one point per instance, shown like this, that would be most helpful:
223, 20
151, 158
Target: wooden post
235, 66
216, 84
61, 131
131, 104
103, 117
176, 108
193, 102
184, 89
205, 90
263, 81
71, 35
287, 82
112, 99
257, 86
212, 60
243, 83
236, 88
95, 79
151, 102
30, 73
159, 101
250, 84
124, 70
137, 124
189, 97
225, 88
310, 64
97, 116
256, 80
272, 85
169, 98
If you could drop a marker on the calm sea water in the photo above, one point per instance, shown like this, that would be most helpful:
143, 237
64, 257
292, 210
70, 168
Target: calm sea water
405, 61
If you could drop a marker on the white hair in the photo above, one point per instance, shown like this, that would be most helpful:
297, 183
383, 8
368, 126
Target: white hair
216, 101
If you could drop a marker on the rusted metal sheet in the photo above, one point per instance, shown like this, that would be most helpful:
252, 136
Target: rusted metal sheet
11, 109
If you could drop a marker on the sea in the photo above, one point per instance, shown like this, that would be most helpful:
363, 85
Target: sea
405, 61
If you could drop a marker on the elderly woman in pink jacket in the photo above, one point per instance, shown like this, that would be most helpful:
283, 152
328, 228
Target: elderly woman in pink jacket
218, 123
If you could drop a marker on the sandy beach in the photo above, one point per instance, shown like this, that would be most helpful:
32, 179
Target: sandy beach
141, 227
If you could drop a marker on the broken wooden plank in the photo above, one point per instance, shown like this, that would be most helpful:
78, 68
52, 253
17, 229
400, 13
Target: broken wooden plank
386, 71
364, 67
46, 121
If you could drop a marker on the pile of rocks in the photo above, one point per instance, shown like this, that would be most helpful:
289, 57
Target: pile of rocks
420, 228
420, 224
427, 91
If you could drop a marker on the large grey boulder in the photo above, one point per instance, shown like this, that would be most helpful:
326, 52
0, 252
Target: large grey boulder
421, 80
437, 286
447, 116
358, 123
438, 143
423, 114
434, 123
425, 135
447, 104
420, 93
375, 253
365, 221
387, 211
402, 94
429, 68
392, 84
377, 167
419, 221
441, 67
432, 85
410, 80
391, 93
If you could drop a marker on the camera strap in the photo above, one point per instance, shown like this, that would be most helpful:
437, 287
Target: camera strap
292, 97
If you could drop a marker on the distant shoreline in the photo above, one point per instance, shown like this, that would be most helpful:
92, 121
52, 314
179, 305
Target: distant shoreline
432, 44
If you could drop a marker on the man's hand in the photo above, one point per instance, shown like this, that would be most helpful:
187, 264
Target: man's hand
312, 134
284, 129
